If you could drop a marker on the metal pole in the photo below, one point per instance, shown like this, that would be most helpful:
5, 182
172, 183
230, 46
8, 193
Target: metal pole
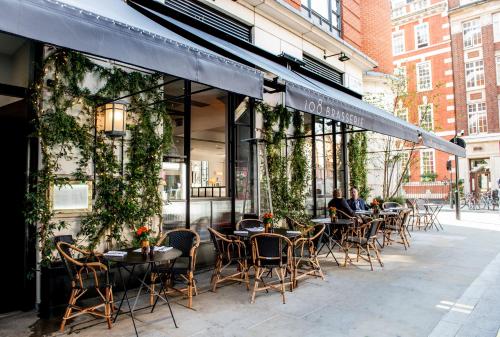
457, 207
451, 188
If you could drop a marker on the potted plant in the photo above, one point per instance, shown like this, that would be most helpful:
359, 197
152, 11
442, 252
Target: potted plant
375, 205
143, 234
268, 222
332, 211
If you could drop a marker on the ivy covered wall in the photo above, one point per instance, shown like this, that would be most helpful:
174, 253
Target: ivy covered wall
66, 99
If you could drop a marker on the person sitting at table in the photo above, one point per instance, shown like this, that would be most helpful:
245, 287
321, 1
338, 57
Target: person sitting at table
340, 203
356, 203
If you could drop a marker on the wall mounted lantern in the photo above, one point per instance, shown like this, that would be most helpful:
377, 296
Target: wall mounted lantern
115, 118
342, 56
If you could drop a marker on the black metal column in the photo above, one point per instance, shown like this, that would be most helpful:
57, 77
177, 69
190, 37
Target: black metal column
187, 147
313, 163
344, 159
231, 167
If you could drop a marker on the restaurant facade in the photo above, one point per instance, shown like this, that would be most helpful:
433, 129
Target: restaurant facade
211, 77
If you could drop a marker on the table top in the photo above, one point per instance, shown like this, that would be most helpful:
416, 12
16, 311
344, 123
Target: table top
364, 212
137, 258
281, 231
432, 205
395, 208
328, 221
386, 212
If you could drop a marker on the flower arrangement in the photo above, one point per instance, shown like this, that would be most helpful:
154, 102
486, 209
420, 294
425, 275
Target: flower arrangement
375, 205
268, 218
143, 233
332, 211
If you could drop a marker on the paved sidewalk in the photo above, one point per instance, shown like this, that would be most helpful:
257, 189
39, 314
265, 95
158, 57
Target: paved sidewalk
445, 284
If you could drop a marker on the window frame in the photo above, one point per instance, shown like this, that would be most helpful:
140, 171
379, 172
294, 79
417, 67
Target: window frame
496, 27
478, 78
431, 121
401, 34
433, 156
472, 38
419, 79
416, 29
332, 15
478, 114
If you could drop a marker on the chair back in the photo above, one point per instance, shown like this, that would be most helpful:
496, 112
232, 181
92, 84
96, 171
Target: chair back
250, 216
65, 251
317, 235
270, 249
373, 228
248, 223
294, 225
344, 215
405, 216
185, 240
390, 204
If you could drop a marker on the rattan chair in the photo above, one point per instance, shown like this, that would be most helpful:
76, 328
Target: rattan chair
294, 225
187, 241
364, 243
271, 252
416, 215
85, 273
306, 251
249, 223
391, 204
396, 225
229, 252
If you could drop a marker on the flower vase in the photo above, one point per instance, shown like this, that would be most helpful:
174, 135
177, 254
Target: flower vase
268, 226
333, 218
145, 248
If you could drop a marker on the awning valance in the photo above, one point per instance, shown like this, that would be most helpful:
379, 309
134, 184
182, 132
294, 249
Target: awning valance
112, 29
308, 95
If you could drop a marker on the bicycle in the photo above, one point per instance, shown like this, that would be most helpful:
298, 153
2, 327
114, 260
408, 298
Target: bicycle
470, 201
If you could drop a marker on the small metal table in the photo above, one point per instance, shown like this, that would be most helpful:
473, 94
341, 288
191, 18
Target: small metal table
244, 234
128, 263
432, 210
333, 230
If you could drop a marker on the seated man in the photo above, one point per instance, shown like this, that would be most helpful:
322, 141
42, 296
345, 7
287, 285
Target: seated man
356, 203
340, 203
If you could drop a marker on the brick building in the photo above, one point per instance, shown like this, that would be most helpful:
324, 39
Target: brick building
475, 38
421, 48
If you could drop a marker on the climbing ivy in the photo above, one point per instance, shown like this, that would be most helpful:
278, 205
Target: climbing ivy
66, 103
357, 163
287, 174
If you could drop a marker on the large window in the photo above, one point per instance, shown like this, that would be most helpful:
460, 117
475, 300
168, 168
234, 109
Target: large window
417, 5
424, 76
497, 59
398, 42
496, 27
401, 79
427, 162
426, 116
422, 35
402, 112
474, 74
477, 118
325, 13
472, 33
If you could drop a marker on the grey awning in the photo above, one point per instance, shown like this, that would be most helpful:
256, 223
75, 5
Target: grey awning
306, 94
112, 29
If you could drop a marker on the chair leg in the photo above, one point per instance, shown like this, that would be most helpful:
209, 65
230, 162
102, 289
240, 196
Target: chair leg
107, 306
377, 253
369, 256
282, 281
71, 303
255, 283
190, 290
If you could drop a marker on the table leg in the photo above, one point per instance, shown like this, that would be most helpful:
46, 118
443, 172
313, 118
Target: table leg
162, 288
125, 296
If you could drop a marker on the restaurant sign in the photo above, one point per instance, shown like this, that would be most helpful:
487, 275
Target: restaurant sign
347, 109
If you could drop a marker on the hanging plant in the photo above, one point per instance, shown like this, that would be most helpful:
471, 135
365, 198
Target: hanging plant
65, 126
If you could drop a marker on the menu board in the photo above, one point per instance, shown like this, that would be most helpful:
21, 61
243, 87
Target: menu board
72, 197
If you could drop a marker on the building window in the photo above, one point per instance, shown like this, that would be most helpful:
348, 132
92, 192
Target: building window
401, 80
325, 13
477, 118
426, 116
402, 112
419, 4
496, 27
405, 163
427, 163
472, 33
497, 59
424, 76
398, 42
422, 35
474, 74
466, 2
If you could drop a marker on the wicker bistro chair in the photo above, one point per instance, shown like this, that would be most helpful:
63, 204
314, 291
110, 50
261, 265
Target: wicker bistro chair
391, 204
230, 252
306, 250
271, 252
294, 225
85, 274
187, 241
248, 223
364, 243
397, 225
416, 215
